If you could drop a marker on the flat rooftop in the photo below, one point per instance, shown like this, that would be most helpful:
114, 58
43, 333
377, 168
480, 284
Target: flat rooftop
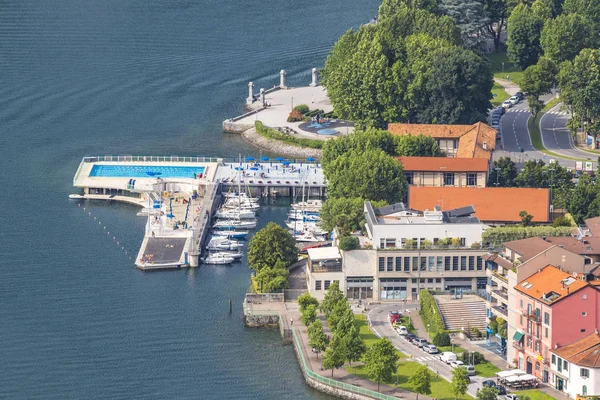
164, 250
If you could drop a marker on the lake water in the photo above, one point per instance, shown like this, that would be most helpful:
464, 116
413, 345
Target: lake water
77, 320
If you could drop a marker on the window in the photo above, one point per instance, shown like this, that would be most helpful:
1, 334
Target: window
479, 263
546, 333
415, 263
382, 243
440, 264
381, 264
537, 346
406, 264
528, 307
553, 359
447, 263
438, 280
463, 242
449, 178
529, 341
431, 264
471, 179
584, 313
415, 243
463, 263
546, 319
584, 390
422, 280
327, 283
414, 280
398, 264
521, 303
409, 177
583, 330
390, 243
455, 263
471, 263
423, 263
429, 280
520, 319
565, 365
584, 297
584, 372
390, 264
317, 285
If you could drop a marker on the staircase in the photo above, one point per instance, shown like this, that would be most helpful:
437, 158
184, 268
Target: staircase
466, 313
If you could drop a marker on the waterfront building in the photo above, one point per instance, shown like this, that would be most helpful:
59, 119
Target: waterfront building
464, 141
493, 206
553, 308
576, 367
444, 171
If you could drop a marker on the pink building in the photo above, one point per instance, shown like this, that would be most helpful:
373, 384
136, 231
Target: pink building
554, 308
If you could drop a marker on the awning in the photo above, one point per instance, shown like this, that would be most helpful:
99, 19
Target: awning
518, 336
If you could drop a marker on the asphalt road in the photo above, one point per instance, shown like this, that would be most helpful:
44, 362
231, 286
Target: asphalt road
381, 325
556, 136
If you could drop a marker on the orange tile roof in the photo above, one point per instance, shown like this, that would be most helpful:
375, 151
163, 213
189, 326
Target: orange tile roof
548, 281
471, 138
585, 352
444, 164
491, 204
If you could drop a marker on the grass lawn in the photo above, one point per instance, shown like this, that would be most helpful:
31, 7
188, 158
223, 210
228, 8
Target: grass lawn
535, 394
367, 335
487, 370
551, 104
440, 388
457, 349
500, 95
514, 73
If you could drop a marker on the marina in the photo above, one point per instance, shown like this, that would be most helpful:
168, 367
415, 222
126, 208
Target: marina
189, 201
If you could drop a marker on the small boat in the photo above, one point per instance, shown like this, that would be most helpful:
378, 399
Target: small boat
307, 217
307, 236
235, 224
218, 259
300, 226
231, 234
309, 205
225, 213
236, 255
220, 243
242, 196
244, 205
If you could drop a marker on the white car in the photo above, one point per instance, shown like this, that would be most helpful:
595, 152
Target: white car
507, 104
514, 100
402, 330
456, 364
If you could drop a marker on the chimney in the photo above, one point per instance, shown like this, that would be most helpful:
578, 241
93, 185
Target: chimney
596, 331
568, 290
485, 145
556, 345
544, 296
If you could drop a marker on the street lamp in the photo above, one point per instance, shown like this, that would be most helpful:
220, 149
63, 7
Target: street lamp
428, 330
497, 169
452, 341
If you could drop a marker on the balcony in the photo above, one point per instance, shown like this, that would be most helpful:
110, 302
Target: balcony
503, 278
501, 310
501, 293
532, 316
518, 345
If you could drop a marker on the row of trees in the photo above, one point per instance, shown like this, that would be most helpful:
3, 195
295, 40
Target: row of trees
410, 66
270, 252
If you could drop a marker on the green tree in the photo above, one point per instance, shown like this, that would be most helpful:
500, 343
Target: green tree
503, 173
538, 79
346, 213
525, 218
583, 199
317, 339
272, 245
340, 311
353, 344
532, 175
524, 30
370, 174
333, 296
442, 339
421, 381
590, 9
334, 356
566, 35
390, 7
305, 300
497, 12
460, 382
370, 138
561, 221
487, 393
272, 280
309, 315
469, 17
580, 84
418, 145
348, 243
381, 361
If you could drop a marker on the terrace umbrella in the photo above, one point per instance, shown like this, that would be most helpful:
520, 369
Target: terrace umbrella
239, 168
249, 158
254, 169
263, 158
279, 159
286, 163
310, 159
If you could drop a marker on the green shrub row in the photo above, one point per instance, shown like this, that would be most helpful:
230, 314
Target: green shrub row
499, 235
274, 134
430, 314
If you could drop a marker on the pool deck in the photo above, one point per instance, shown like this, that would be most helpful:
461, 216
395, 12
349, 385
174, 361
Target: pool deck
281, 102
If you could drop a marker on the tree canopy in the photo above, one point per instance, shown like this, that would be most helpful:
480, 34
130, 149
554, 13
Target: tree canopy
566, 35
316, 337
334, 356
270, 247
421, 380
460, 381
381, 361
469, 17
524, 30
538, 79
332, 297
503, 173
487, 393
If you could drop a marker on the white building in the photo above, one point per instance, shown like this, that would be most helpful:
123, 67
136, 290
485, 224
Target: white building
398, 227
576, 367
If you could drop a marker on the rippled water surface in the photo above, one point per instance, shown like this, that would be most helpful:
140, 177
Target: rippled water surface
134, 77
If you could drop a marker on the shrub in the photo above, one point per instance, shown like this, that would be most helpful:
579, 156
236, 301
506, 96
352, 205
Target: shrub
276, 135
430, 314
475, 332
349, 243
442, 339
295, 116
475, 357
301, 108
305, 300
561, 221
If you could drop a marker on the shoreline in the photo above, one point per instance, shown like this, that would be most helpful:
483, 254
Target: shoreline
275, 146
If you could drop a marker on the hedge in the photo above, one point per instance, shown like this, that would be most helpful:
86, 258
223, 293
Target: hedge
497, 236
430, 314
274, 134
349, 243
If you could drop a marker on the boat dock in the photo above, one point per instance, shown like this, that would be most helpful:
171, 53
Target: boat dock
179, 195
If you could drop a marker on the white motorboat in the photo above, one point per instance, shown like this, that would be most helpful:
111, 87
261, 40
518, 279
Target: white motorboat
231, 234
225, 213
308, 236
240, 196
240, 205
299, 226
220, 243
218, 259
304, 216
235, 224
235, 254
308, 205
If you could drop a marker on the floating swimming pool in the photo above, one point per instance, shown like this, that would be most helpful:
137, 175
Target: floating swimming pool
145, 171
327, 132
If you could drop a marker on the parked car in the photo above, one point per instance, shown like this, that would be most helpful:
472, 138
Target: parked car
489, 383
514, 100
495, 125
420, 342
410, 337
447, 357
511, 397
507, 104
520, 95
501, 390
499, 110
431, 349
402, 330
470, 370
456, 364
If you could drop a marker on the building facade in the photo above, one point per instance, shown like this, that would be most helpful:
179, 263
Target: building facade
443, 171
576, 367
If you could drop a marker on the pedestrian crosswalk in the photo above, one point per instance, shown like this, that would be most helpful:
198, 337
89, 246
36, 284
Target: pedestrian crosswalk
426, 358
558, 112
517, 110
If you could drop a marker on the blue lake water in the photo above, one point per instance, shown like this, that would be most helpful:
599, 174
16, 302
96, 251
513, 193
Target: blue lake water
100, 77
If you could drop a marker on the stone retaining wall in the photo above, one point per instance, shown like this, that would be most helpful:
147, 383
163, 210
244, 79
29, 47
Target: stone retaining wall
264, 297
234, 127
278, 147
255, 321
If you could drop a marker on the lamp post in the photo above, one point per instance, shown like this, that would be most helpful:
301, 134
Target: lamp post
497, 169
428, 331
452, 341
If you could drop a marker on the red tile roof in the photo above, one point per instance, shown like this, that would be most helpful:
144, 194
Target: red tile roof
585, 352
474, 141
491, 204
550, 280
444, 164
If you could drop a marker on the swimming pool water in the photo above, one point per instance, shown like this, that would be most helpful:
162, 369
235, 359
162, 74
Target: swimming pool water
145, 171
